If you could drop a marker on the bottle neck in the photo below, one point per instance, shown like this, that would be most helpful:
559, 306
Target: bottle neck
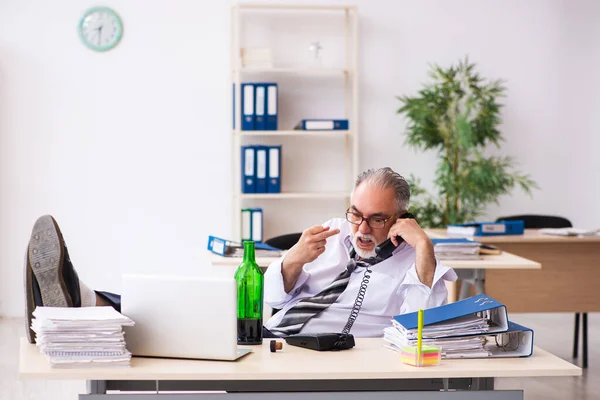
249, 251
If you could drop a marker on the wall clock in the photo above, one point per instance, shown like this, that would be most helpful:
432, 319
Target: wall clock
100, 28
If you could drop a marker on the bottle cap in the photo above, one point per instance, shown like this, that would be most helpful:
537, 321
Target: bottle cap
275, 345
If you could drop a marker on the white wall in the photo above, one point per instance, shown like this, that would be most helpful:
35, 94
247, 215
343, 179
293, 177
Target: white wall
129, 149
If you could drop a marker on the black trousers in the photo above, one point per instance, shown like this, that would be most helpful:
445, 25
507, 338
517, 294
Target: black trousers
115, 301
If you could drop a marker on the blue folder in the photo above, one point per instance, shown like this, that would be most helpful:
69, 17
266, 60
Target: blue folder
272, 106
248, 169
224, 247
260, 104
516, 227
516, 341
506, 345
323, 125
448, 312
248, 107
274, 170
262, 167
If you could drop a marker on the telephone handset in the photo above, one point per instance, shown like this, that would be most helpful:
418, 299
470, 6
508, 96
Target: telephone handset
385, 249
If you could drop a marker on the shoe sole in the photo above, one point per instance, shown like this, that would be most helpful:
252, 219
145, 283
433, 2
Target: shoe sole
29, 301
44, 260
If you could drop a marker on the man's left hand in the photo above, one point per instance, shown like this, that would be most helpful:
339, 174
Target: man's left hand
410, 231
416, 237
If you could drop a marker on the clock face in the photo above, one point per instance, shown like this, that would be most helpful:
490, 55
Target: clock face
100, 29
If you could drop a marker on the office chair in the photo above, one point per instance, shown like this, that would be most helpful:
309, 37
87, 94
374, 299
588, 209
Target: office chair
534, 221
284, 242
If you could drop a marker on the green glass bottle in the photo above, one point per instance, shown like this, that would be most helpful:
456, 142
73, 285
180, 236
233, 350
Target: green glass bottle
250, 292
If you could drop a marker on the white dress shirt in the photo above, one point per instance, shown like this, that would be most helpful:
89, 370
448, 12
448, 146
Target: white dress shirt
394, 288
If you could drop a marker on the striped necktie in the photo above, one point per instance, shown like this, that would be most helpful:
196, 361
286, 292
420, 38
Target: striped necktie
295, 318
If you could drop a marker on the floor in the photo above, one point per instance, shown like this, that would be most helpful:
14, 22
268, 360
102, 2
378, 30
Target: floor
553, 332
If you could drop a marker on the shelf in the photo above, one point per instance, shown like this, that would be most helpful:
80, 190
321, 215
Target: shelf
258, 6
340, 78
296, 195
298, 70
302, 133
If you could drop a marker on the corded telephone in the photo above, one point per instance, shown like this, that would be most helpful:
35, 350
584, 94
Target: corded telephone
322, 341
344, 340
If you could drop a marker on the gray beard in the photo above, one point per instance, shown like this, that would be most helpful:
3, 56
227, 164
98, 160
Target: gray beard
361, 253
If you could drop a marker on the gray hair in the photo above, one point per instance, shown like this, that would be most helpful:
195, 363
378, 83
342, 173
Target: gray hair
386, 178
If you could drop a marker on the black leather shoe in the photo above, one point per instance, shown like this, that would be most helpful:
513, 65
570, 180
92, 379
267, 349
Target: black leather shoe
50, 279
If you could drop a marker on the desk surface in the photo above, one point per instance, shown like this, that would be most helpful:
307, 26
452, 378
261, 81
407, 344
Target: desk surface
216, 259
568, 281
502, 261
530, 236
368, 360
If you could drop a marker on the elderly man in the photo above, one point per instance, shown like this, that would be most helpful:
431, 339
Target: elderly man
321, 282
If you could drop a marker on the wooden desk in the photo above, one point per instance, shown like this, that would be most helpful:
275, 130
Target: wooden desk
476, 268
502, 261
368, 366
568, 282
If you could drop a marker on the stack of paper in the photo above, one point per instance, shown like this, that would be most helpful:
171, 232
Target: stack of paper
465, 325
462, 347
454, 336
570, 231
78, 336
456, 249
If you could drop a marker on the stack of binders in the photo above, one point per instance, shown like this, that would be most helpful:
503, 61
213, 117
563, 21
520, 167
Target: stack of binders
477, 327
261, 169
259, 106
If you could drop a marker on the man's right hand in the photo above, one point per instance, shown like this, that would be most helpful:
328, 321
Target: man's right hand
310, 246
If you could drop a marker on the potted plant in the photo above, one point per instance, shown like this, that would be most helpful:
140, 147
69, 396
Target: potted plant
457, 114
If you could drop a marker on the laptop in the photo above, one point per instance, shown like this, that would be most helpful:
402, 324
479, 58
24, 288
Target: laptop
181, 317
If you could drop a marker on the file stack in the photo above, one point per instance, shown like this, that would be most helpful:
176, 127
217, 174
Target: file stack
259, 106
435, 335
261, 169
456, 249
476, 327
81, 336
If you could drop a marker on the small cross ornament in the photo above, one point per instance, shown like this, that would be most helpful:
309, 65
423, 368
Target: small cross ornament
315, 47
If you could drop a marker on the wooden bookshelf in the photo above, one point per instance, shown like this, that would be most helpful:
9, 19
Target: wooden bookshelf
346, 74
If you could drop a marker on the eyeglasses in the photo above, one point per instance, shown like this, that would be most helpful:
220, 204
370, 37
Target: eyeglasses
373, 222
